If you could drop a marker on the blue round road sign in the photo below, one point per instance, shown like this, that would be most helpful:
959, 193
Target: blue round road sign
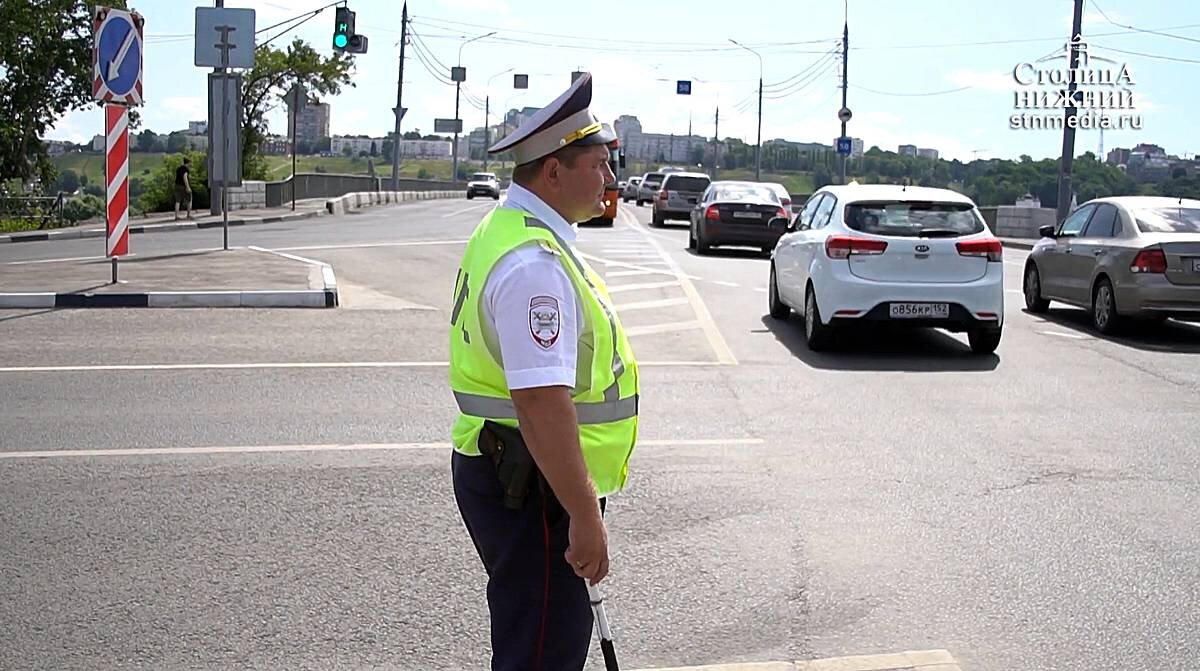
110, 45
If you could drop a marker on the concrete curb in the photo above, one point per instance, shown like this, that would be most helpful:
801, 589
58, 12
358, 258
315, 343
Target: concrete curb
914, 660
306, 298
78, 233
334, 206
325, 297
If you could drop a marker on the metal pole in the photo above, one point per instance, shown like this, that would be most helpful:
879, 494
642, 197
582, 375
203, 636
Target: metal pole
487, 135
758, 145
1068, 145
399, 97
454, 159
717, 139
845, 61
214, 196
225, 155
295, 104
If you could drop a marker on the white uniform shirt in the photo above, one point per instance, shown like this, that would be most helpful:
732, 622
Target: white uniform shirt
531, 317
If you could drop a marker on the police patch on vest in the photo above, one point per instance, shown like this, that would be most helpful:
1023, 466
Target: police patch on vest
543, 320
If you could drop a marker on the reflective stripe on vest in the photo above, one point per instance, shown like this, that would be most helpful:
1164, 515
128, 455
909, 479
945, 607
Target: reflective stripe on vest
586, 413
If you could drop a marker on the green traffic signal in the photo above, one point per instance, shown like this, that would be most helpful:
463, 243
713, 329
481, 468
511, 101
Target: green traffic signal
340, 41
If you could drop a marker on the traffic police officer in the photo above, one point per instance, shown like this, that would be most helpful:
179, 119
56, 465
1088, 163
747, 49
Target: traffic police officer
536, 348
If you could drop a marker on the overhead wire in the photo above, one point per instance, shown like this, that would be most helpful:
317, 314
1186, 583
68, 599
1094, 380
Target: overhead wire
1142, 30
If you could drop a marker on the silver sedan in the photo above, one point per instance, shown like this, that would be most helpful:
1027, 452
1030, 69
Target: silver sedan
1121, 258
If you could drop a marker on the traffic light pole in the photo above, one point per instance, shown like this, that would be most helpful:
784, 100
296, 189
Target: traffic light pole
1068, 145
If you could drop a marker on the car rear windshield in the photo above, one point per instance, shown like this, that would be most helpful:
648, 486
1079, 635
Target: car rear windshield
740, 192
1168, 220
653, 177
482, 177
693, 184
914, 218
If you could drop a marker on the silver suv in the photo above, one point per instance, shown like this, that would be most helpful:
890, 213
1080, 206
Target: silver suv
678, 195
648, 189
483, 184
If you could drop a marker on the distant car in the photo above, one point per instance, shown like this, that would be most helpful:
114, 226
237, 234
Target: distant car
630, 192
648, 189
780, 190
679, 193
872, 254
736, 213
1120, 258
483, 184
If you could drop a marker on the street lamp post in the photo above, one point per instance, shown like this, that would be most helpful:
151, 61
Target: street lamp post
457, 89
758, 145
487, 101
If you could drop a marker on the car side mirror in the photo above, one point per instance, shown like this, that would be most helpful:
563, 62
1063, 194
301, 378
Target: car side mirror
1046, 231
780, 223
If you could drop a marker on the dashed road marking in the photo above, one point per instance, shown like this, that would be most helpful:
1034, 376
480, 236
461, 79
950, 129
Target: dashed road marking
649, 305
326, 447
671, 327
617, 288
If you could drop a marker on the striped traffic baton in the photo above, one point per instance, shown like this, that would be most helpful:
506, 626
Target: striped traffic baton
606, 643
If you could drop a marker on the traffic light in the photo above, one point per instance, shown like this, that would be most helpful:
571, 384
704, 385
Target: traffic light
344, 38
343, 28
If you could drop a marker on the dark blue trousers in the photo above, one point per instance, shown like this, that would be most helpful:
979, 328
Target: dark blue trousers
540, 612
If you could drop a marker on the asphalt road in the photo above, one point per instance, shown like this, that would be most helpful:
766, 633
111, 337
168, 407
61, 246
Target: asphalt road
217, 489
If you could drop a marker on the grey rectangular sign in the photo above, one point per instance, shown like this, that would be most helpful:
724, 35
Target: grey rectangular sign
458, 74
224, 129
224, 38
520, 81
447, 125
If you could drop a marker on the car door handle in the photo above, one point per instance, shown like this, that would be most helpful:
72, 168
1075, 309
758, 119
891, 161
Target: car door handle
1098, 252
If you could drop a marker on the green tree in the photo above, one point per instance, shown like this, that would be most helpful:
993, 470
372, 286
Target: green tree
275, 71
148, 141
159, 193
176, 142
67, 182
46, 61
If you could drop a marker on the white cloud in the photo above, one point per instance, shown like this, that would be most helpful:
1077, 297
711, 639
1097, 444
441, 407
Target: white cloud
499, 6
988, 81
192, 107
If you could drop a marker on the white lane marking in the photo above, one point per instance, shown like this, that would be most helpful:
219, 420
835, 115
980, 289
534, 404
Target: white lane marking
73, 258
412, 243
471, 208
329, 447
761, 290
1013, 291
652, 329
1013, 263
277, 365
1060, 334
631, 273
617, 288
719, 346
293, 257
726, 284
648, 305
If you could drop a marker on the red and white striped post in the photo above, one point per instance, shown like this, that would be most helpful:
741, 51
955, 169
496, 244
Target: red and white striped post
116, 161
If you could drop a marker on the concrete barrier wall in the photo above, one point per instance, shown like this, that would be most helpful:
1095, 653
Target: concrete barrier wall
248, 195
329, 185
358, 200
1022, 222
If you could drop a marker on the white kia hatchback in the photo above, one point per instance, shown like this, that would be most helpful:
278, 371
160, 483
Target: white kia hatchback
871, 254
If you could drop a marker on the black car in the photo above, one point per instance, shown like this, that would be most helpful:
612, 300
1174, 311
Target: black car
736, 213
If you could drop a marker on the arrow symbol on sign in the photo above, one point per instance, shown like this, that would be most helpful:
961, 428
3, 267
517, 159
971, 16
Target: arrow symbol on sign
114, 66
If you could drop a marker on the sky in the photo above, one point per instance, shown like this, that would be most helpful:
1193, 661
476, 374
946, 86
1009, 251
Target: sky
934, 73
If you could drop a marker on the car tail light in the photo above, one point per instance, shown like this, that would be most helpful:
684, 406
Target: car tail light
712, 213
1149, 261
988, 247
782, 213
662, 195
842, 246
